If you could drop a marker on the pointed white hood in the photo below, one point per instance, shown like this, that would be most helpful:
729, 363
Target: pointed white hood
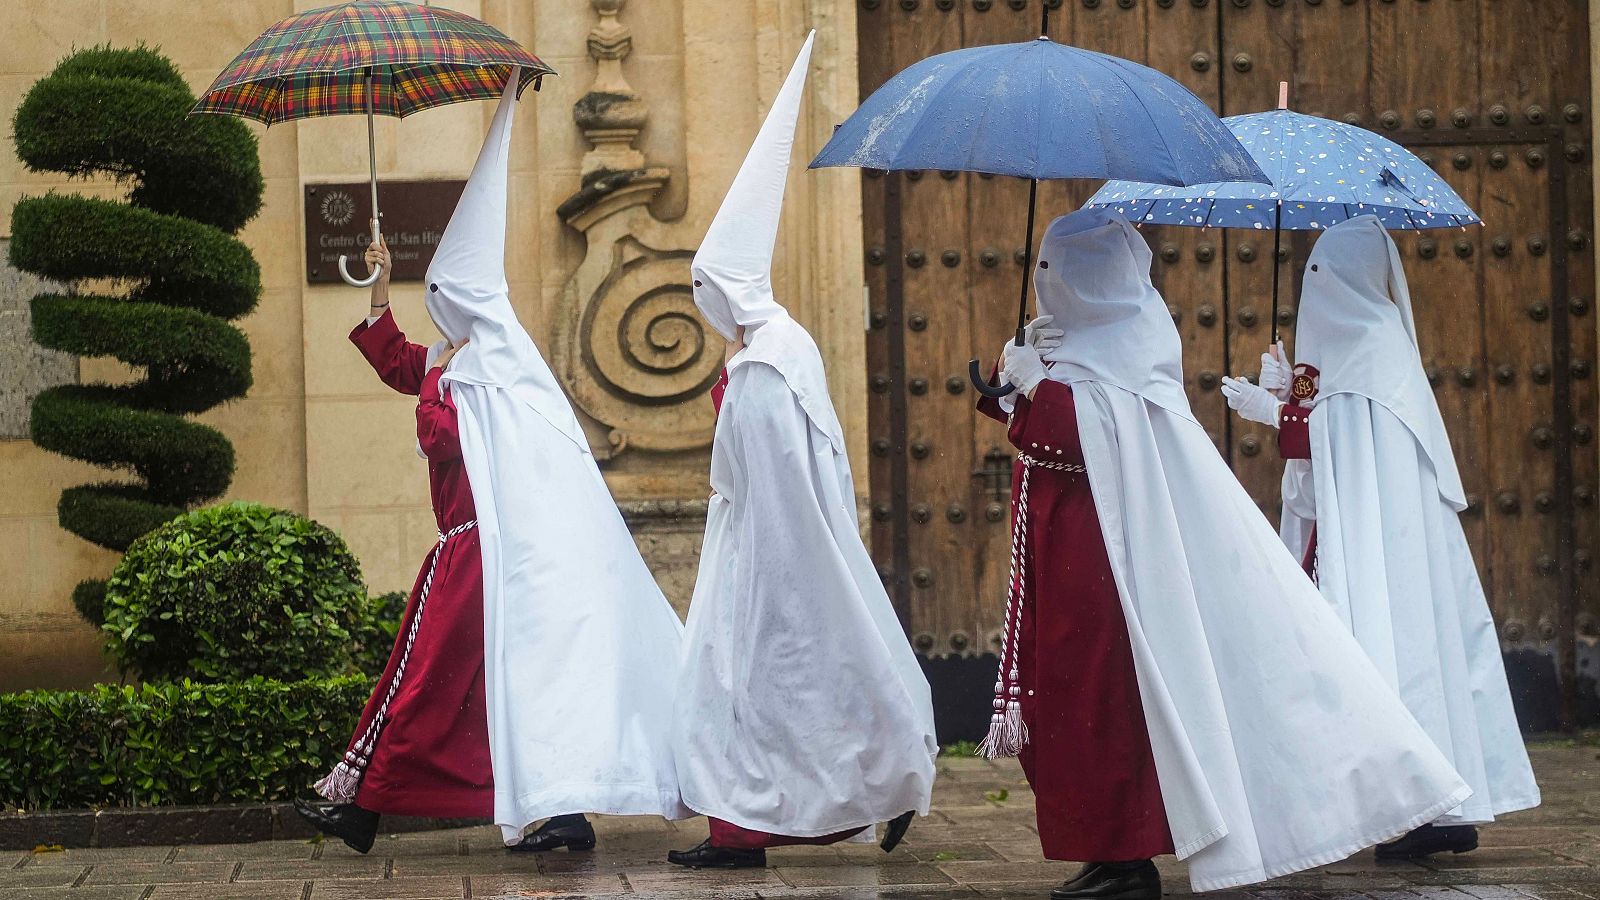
733, 267
468, 297
568, 603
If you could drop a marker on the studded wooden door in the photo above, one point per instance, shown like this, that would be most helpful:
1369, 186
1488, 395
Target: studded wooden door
1494, 93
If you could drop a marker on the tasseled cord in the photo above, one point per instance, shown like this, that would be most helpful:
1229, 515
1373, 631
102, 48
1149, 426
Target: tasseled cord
1007, 731
341, 784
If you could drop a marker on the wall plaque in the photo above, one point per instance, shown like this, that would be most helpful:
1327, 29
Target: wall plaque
414, 216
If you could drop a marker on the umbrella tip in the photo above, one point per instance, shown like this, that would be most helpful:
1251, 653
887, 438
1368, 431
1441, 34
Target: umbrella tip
1283, 95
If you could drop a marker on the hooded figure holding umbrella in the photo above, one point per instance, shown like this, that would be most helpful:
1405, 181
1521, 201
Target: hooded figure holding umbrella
533, 674
1371, 499
1169, 676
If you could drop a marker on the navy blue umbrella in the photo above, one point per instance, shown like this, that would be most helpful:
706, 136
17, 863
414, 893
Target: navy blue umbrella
1039, 110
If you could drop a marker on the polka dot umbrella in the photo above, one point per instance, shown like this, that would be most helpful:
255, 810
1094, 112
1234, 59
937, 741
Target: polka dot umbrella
1323, 172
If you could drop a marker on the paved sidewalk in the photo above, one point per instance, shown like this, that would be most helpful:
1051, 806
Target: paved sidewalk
979, 842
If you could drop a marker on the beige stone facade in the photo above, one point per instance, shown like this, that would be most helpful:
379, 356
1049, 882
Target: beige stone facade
602, 284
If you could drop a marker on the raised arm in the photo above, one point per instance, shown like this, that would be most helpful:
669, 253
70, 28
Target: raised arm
400, 363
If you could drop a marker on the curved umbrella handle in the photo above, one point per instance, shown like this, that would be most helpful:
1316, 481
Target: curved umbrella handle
981, 385
344, 272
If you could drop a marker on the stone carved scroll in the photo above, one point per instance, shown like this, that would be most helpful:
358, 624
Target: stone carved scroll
631, 349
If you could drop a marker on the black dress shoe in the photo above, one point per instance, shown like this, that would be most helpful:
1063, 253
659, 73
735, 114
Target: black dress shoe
706, 856
350, 823
1137, 880
896, 831
572, 832
1430, 839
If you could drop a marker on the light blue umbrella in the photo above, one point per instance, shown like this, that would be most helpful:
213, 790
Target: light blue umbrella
1323, 172
1039, 110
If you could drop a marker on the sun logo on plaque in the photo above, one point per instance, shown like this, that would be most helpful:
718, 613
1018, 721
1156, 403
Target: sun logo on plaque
338, 208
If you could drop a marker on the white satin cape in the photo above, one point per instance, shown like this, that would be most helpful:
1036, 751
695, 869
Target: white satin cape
802, 709
1277, 745
580, 647
1392, 559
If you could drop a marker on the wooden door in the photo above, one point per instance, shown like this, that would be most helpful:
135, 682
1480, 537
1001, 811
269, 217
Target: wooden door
1504, 310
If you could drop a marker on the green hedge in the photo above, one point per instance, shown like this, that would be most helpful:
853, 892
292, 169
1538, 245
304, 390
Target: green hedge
182, 743
375, 637
193, 181
235, 591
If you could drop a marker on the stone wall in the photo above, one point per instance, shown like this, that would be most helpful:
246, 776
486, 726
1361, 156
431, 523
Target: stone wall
609, 197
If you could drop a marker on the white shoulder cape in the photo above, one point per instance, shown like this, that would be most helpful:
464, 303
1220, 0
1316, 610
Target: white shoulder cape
1277, 744
581, 650
802, 710
1393, 563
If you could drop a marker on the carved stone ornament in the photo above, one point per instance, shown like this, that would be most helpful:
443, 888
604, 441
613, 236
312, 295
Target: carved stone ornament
630, 347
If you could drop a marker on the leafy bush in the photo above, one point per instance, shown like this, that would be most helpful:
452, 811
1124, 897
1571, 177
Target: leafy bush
193, 182
234, 591
180, 743
375, 636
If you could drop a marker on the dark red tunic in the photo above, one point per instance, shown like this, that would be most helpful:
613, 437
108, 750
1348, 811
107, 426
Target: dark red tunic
727, 834
1088, 755
432, 756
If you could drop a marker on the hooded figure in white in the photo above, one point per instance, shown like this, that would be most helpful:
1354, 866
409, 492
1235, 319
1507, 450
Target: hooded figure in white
1376, 506
802, 710
1278, 747
581, 649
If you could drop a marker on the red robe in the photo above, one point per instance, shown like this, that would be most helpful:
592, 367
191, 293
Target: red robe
1088, 756
432, 754
1294, 442
724, 833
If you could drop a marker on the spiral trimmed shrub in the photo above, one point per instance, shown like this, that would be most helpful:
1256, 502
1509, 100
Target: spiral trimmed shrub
193, 182
234, 591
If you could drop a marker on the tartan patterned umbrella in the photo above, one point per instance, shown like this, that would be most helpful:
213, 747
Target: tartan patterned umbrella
378, 57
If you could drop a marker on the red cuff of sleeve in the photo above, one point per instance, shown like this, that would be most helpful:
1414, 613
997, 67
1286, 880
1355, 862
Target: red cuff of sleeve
430, 385
380, 329
718, 389
1294, 432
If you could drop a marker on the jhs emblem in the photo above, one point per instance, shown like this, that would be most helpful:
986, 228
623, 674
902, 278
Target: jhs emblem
1304, 385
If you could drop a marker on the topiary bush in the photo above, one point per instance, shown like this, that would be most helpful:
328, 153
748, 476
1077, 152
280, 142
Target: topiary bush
112, 745
235, 591
194, 182
376, 635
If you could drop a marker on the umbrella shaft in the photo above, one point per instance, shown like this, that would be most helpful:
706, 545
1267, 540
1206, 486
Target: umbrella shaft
372, 144
1027, 260
1277, 242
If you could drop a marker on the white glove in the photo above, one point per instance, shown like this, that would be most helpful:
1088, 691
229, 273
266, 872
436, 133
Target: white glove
1276, 372
1251, 402
1041, 337
1023, 367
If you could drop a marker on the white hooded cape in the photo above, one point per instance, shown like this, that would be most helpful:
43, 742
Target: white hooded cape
802, 710
1277, 745
581, 650
1383, 490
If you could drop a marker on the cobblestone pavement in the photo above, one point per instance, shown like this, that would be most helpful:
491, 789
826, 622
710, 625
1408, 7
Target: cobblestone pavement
979, 842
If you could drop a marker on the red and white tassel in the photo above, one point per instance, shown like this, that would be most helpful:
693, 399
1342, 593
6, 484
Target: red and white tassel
341, 784
1007, 730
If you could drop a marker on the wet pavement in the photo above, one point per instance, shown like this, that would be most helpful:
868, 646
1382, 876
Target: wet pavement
979, 842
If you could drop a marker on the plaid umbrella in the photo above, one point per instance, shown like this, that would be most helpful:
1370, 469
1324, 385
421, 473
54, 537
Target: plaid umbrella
378, 57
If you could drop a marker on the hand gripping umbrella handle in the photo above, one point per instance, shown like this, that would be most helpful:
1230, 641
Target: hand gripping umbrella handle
372, 277
982, 386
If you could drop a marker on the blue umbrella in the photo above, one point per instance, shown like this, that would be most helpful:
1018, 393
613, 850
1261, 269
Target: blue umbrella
1039, 110
1323, 172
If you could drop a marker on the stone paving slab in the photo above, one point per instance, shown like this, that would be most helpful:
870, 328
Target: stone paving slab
979, 841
